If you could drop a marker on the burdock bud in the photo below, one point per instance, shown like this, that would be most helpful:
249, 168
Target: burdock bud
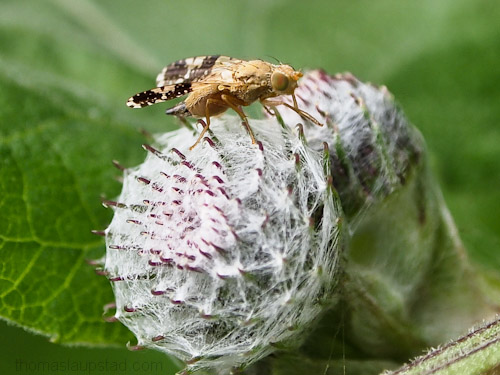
373, 148
221, 254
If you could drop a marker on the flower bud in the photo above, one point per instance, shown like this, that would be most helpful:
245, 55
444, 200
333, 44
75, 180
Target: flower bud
221, 254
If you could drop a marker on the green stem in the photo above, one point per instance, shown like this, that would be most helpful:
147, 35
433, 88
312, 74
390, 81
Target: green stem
476, 353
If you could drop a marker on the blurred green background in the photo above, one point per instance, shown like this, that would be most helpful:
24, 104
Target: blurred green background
67, 67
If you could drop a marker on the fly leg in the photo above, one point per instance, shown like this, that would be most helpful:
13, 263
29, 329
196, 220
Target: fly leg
235, 104
275, 102
268, 110
205, 128
206, 124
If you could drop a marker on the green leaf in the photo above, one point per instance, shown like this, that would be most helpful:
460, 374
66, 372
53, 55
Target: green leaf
59, 127
51, 159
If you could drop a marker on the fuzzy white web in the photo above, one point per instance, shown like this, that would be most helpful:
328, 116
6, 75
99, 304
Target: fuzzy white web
373, 147
220, 253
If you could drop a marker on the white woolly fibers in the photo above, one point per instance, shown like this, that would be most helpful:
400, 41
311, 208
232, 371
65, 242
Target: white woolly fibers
373, 147
220, 253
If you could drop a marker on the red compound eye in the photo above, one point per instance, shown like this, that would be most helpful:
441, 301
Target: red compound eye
279, 81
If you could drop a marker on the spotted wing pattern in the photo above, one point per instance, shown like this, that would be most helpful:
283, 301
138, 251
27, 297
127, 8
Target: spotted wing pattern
183, 76
159, 94
191, 69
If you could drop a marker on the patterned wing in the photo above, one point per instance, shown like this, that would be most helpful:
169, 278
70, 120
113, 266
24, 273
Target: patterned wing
159, 94
193, 69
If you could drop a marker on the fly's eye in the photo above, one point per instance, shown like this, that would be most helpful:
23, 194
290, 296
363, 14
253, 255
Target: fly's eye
279, 81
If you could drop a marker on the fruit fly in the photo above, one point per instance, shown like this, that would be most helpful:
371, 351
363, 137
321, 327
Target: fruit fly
214, 84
